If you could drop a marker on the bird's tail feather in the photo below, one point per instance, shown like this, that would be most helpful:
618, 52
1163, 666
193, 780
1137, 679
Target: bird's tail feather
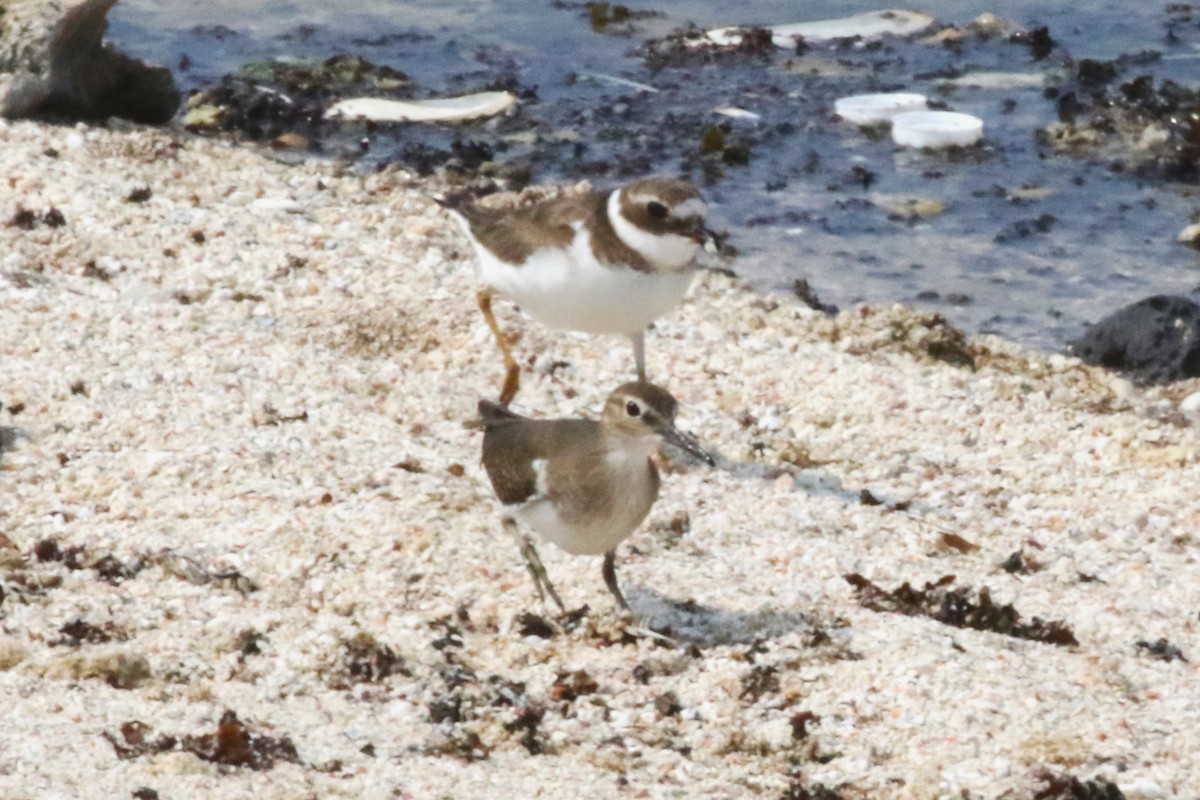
492, 413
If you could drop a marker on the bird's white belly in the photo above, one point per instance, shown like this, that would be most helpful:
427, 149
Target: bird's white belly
570, 289
582, 540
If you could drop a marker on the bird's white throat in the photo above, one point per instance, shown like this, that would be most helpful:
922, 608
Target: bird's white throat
667, 251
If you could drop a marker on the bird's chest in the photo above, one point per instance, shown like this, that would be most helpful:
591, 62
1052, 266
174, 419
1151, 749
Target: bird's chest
569, 287
593, 514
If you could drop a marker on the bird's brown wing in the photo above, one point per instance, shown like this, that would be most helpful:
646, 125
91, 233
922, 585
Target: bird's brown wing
512, 443
506, 453
515, 234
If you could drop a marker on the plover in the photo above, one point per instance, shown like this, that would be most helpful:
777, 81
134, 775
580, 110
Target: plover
601, 262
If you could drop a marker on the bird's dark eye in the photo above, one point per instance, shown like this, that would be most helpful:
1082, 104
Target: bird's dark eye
633, 409
656, 210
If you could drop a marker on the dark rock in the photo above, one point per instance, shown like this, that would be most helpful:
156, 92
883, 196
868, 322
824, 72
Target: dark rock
1155, 340
53, 63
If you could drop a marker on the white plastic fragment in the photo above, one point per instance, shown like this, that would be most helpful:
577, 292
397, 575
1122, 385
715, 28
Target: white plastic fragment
1190, 234
867, 109
736, 113
936, 129
442, 109
896, 22
1000, 80
619, 81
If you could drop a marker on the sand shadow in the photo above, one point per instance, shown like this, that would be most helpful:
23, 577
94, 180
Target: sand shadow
8, 439
709, 626
818, 482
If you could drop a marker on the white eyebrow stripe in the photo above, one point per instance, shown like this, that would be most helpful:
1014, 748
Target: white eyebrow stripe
692, 207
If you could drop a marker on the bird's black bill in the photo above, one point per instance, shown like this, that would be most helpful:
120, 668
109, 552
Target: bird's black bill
712, 241
688, 444
702, 235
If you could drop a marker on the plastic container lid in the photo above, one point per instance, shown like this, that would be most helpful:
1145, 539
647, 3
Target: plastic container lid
865, 109
936, 129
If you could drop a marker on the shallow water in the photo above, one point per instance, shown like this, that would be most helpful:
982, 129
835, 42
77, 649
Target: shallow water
1035, 270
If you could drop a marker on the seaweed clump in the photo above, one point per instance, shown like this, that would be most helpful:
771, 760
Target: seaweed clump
955, 607
1141, 124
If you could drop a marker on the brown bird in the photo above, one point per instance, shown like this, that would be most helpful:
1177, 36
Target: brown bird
602, 262
584, 485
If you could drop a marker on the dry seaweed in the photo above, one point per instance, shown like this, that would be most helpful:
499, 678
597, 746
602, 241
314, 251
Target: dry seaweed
528, 718
134, 741
569, 686
800, 722
1018, 563
367, 660
233, 744
79, 632
1162, 650
465, 704
195, 572
799, 789
667, 704
761, 679
955, 607
530, 624
1068, 787
26, 220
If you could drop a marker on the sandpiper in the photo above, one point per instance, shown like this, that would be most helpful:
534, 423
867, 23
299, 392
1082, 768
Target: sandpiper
584, 485
601, 262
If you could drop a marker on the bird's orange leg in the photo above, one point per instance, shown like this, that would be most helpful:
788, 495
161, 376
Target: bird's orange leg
512, 377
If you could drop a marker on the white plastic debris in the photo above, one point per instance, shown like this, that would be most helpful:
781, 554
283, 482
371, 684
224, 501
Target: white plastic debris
1190, 234
736, 113
442, 109
936, 129
1000, 80
619, 81
896, 22
867, 109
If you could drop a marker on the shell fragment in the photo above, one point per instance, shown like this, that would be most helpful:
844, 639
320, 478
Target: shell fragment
896, 22
444, 109
736, 113
1000, 80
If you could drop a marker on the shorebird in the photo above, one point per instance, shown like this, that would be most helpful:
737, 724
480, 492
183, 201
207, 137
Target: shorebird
584, 485
601, 262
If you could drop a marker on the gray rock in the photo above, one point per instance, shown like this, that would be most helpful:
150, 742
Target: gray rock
53, 63
1155, 340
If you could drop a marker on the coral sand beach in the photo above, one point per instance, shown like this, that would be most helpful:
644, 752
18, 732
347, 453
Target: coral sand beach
247, 548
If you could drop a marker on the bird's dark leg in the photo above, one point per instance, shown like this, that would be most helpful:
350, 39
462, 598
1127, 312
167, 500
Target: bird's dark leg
610, 578
512, 376
540, 578
639, 353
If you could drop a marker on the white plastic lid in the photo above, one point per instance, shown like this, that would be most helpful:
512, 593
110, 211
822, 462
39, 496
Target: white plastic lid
865, 109
936, 129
